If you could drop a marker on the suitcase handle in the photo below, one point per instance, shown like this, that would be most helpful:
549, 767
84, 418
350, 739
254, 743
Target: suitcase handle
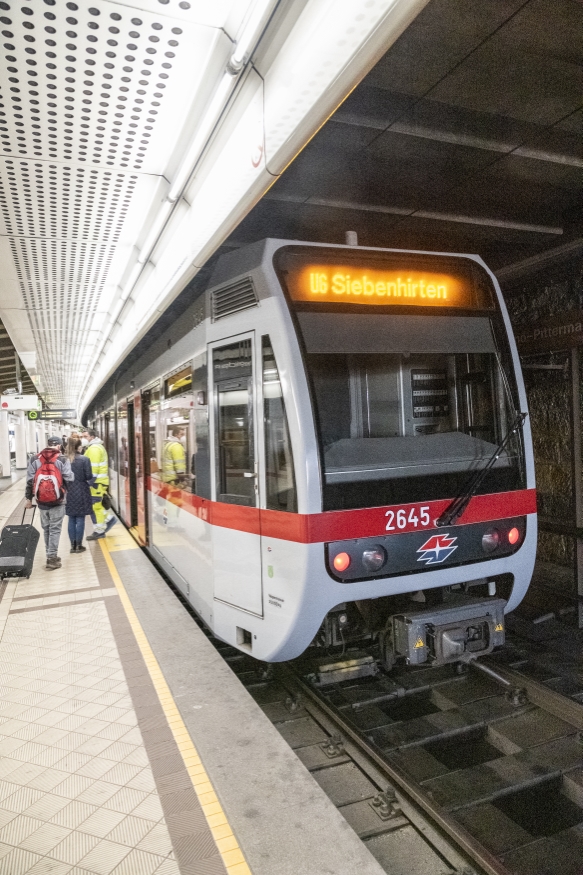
33, 513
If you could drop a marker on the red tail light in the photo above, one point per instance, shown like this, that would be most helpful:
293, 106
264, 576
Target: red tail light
513, 535
341, 561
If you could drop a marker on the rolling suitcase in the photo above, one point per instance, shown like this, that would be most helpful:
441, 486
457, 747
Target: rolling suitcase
17, 549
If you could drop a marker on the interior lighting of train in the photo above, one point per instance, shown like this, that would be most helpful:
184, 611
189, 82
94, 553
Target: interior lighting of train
350, 284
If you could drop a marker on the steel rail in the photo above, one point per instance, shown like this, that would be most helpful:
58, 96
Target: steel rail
475, 851
538, 694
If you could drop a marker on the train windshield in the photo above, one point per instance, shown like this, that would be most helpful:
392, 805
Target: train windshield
409, 399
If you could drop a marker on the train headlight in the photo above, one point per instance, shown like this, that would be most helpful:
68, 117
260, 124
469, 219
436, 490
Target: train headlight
374, 558
490, 540
341, 561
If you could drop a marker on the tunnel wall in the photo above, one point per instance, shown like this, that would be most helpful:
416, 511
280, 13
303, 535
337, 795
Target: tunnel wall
533, 297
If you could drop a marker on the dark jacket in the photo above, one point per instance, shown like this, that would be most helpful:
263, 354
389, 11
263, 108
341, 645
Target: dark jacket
78, 495
63, 463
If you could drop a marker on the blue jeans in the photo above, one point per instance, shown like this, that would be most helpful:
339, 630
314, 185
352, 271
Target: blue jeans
76, 528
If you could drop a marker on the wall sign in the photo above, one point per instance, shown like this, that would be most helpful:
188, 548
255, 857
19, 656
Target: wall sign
554, 333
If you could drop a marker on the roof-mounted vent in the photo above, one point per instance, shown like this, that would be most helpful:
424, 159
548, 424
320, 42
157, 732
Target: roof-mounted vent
231, 299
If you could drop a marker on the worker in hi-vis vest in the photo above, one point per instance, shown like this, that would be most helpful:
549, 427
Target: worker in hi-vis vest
173, 473
174, 457
97, 455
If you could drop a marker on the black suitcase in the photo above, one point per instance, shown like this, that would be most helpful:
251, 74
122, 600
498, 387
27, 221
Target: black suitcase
17, 549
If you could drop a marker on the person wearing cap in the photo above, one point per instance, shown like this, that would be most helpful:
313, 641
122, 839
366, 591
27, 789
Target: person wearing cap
51, 515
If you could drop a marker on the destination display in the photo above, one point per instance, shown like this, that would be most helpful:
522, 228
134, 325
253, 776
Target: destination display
369, 283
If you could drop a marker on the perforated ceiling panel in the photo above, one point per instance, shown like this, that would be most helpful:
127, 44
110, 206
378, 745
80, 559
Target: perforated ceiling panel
92, 110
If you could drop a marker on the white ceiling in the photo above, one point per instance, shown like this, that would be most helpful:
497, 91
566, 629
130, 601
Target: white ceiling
95, 100
102, 107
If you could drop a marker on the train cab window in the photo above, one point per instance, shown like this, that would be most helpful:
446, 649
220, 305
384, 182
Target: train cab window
235, 436
279, 466
401, 426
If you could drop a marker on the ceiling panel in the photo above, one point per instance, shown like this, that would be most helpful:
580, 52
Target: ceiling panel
442, 35
92, 109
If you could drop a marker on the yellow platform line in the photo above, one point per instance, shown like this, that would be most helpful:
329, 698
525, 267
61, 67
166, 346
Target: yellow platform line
222, 833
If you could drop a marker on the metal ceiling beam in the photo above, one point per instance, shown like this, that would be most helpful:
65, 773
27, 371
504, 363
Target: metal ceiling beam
415, 214
438, 135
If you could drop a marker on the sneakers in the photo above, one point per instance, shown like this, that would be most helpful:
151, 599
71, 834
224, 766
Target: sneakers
73, 547
53, 562
95, 536
110, 523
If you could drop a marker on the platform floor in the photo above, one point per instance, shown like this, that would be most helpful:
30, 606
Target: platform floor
108, 691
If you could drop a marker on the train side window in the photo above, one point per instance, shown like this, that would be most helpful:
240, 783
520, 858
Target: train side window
279, 466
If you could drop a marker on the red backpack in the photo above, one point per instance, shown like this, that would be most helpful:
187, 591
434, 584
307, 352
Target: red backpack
47, 485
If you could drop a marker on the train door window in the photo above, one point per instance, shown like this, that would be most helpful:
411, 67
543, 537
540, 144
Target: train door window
200, 464
151, 437
175, 439
279, 466
235, 436
131, 443
111, 440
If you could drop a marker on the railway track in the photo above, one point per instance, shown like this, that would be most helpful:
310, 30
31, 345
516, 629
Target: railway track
438, 770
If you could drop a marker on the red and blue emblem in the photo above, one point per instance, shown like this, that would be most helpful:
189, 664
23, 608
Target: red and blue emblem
437, 549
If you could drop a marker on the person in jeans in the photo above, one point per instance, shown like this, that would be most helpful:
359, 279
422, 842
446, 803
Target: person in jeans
51, 515
79, 502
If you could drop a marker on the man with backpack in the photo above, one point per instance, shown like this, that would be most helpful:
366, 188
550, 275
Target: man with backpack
46, 477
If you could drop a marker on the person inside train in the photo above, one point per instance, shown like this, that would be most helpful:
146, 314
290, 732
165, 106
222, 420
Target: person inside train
174, 457
79, 500
97, 455
174, 472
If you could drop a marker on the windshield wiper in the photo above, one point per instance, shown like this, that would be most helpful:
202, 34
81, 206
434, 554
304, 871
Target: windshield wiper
454, 510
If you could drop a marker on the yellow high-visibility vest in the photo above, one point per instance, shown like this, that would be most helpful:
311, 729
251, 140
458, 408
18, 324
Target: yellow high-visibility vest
97, 455
173, 460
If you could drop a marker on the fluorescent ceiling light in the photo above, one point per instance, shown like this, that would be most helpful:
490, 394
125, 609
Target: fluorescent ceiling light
203, 132
252, 30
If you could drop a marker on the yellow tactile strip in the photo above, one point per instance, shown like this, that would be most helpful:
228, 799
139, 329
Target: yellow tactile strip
218, 824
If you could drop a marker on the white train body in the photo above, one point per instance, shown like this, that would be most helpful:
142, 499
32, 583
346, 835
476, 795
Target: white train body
331, 402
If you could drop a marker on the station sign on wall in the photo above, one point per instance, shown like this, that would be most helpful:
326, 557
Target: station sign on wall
554, 333
20, 402
63, 413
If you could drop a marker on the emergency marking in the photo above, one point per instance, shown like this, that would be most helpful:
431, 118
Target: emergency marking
499, 627
437, 549
419, 643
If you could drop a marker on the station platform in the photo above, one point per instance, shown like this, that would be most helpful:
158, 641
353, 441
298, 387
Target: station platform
128, 746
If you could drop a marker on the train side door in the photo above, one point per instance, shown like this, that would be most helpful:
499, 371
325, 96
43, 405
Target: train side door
141, 427
236, 521
133, 504
123, 456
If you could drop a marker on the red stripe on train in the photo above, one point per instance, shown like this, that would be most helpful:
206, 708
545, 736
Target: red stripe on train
338, 525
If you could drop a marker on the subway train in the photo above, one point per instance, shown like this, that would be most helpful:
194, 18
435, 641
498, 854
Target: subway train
332, 447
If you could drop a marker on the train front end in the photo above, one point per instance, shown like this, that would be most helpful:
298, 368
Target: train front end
416, 520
